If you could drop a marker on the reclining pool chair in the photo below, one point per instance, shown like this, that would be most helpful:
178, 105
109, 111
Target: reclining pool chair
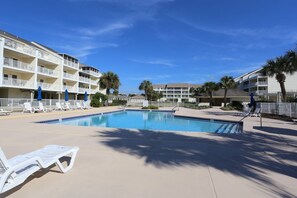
16, 170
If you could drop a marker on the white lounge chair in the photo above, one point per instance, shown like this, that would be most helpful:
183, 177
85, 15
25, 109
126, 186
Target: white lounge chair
2, 112
257, 112
244, 113
28, 108
86, 105
67, 106
78, 105
59, 106
16, 170
41, 108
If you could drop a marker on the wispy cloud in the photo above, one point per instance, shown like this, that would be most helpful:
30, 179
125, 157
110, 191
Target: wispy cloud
277, 32
153, 77
81, 50
164, 62
108, 29
244, 69
130, 2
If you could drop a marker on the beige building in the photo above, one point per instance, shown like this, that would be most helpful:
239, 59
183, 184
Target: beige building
176, 91
24, 66
258, 83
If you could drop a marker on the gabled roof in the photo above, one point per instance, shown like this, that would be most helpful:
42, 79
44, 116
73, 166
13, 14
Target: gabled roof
14, 37
231, 93
38, 45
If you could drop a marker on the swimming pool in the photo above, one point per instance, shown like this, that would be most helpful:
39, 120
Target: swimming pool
151, 120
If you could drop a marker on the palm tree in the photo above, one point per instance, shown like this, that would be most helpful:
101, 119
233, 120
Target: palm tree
109, 81
209, 88
147, 87
282, 65
226, 83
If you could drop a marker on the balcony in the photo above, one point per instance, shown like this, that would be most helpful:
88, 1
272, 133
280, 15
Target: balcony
47, 56
44, 85
17, 64
69, 88
262, 83
83, 79
97, 74
69, 76
20, 47
71, 64
94, 82
47, 71
16, 82
261, 92
82, 89
93, 91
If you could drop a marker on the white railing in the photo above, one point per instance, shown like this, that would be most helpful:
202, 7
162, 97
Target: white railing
262, 83
93, 91
69, 76
70, 63
261, 92
17, 104
47, 56
44, 85
69, 88
16, 82
81, 89
47, 71
97, 74
19, 46
83, 79
94, 82
283, 109
17, 64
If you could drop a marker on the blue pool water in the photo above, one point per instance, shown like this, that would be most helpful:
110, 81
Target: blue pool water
155, 120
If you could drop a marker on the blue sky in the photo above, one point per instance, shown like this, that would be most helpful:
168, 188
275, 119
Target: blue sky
163, 41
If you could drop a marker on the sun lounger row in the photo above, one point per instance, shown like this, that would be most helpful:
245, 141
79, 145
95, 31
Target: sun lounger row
59, 106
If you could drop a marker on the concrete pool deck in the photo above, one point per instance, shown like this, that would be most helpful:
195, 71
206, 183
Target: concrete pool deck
261, 162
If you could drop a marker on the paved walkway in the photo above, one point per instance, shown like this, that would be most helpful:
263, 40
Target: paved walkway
262, 162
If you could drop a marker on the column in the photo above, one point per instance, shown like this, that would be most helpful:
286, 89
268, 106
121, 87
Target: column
1, 59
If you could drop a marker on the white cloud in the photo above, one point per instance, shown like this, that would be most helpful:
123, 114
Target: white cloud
155, 77
109, 29
163, 62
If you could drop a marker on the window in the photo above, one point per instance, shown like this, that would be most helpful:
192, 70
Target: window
14, 76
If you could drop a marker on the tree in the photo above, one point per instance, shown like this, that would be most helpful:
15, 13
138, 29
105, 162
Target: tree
115, 92
279, 67
226, 83
209, 88
109, 81
156, 95
147, 87
196, 92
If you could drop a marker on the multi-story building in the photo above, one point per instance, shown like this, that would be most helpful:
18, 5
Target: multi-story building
258, 83
24, 66
174, 91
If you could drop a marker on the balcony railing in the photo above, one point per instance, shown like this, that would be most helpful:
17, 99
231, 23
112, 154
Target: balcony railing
262, 83
70, 63
69, 76
93, 91
47, 71
47, 56
17, 64
44, 85
16, 82
19, 46
69, 88
83, 79
261, 92
81, 89
97, 74
94, 82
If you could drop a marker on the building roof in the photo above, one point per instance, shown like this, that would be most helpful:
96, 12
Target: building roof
81, 65
231, 93
174, 85
38, 45
138, 97
12, 36
247, 74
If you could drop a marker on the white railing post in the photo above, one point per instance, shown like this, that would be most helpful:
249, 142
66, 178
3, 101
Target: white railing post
290, 110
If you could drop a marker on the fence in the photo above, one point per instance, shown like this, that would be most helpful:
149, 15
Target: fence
17, 104
284, 109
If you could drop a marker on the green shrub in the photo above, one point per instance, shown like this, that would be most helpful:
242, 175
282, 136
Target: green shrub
150, 107
95, 102
236, 105
118, 102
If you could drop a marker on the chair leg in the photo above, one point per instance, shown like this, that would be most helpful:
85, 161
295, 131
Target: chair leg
67, 168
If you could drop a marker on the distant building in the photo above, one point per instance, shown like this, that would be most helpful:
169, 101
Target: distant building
258, 83
174, 91
137, 99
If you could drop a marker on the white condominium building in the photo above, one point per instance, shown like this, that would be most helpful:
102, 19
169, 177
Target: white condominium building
174, 91
24, 66
258, 83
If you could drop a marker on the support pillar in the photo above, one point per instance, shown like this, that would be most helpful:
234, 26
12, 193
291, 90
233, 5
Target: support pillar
32, 96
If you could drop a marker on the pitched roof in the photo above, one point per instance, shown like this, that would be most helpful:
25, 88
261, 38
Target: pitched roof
231, 93
174, 85
12, 36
